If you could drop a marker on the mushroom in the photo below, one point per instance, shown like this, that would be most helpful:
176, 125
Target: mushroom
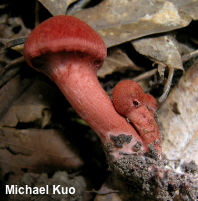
70, 52
130, 101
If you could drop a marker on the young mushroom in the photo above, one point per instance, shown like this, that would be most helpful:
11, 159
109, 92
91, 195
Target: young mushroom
70, 52
130, 101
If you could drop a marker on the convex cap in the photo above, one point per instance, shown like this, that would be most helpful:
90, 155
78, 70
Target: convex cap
62, 34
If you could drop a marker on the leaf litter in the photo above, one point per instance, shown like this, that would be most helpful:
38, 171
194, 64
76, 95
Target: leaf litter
26, 114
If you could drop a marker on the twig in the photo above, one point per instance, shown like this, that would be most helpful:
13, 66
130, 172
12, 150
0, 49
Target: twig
189, 56
14, 42
167, 85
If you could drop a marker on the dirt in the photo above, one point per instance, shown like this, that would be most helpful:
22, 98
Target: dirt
121, 139
152, 178
191, 167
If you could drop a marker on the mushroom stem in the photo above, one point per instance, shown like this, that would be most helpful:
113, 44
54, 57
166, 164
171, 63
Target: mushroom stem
80, 86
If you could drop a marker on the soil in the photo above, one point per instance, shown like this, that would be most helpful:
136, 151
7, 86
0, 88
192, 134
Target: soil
151, 177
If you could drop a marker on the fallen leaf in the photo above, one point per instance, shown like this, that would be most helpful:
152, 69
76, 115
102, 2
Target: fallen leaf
36, 150
29, 106
162, 50
115, 61
179, 120
121, 21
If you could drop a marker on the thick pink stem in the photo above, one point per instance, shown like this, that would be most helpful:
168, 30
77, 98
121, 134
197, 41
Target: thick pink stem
80, 86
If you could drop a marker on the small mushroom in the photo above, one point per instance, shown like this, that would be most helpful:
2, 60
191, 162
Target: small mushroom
70, 52
129, 100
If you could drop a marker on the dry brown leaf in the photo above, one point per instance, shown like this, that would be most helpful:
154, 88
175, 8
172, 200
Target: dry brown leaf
29, 106
120, 21
179, 119
57, 7
115, 61
163, 50
36, 151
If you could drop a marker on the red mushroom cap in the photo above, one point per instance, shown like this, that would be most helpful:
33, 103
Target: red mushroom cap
127, 95
64, 34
